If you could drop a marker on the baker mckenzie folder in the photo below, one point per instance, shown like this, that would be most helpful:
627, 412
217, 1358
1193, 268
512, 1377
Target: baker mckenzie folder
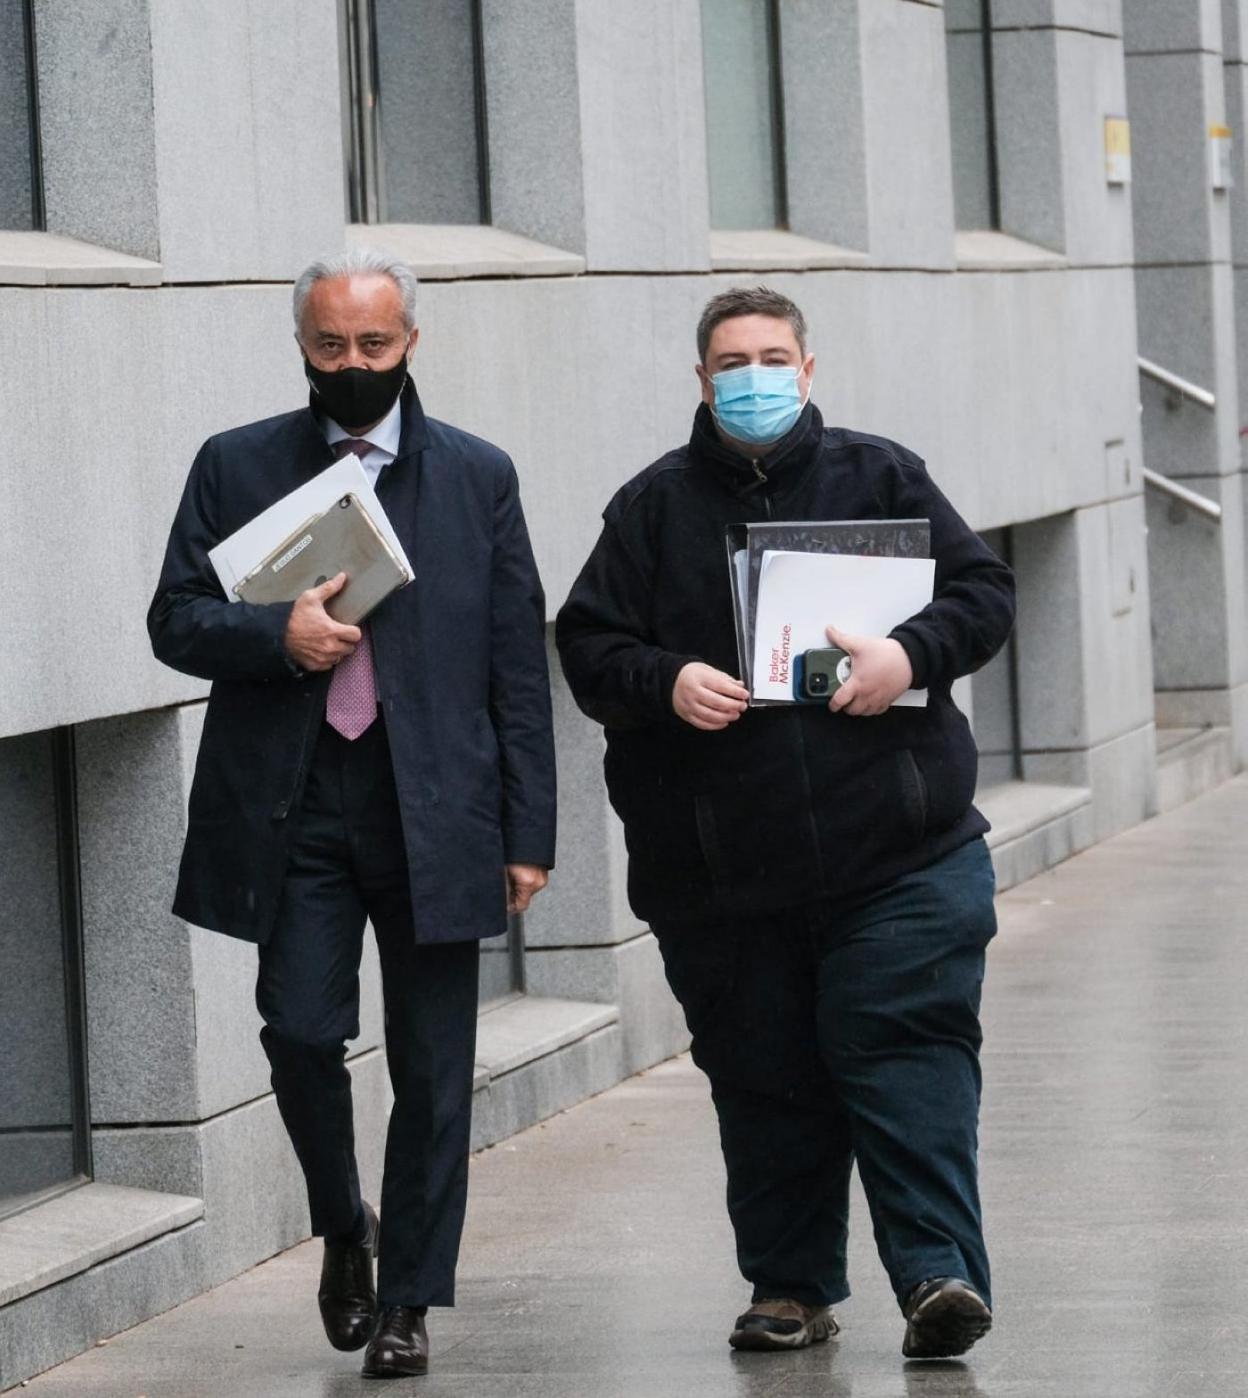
790, 579
342, 539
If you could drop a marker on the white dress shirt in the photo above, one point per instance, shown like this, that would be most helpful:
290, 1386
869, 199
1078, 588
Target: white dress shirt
383, 440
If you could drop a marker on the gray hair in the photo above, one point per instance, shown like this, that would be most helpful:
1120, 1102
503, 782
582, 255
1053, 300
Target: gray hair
749, 301
358, 262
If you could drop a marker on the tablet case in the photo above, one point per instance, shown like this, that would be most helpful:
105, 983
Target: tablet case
342, 540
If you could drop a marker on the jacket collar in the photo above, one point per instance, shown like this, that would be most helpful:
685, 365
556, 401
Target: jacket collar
781, 461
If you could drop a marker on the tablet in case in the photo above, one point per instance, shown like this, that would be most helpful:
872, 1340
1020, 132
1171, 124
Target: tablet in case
341, 540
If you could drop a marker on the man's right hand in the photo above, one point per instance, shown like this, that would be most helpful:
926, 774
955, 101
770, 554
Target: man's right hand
708, 698
314, 640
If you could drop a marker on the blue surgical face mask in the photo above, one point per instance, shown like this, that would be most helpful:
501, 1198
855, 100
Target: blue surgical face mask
757, 403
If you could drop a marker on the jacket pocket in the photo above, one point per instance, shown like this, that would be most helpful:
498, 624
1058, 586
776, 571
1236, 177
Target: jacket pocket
757, 851
914, 795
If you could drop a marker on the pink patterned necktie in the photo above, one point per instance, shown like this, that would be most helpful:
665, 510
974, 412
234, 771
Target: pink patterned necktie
352, 703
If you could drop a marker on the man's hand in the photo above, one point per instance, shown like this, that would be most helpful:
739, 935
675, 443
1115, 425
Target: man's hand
314, 640
881, 671
708, 698
523, 881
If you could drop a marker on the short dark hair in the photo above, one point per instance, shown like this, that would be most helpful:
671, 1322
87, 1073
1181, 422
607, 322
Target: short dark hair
748, 301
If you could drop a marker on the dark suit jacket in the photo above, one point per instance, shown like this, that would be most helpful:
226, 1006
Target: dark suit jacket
461, 674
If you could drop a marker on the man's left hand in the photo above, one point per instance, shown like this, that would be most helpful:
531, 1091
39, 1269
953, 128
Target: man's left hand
880, 673
523, 881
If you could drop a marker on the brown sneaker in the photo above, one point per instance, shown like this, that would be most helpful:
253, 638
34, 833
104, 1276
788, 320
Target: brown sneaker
944, 1317
782, 1324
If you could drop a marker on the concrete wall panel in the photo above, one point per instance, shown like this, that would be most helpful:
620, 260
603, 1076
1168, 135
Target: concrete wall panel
1113, 595
1089, 16
906, 114
111, 392
1185, 326
1235, 30
1091, 80
96, 121
1029, 145
1185, 561
1053, 680
248, 141
533, 102
1235, 83
140, 984
825, 138
1172, 26
16, 188
643, 130
1172, 100
35, 1104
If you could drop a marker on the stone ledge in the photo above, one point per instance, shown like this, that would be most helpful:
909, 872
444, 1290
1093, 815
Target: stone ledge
76, 1231
1035, 825
983, 250
537, 1090
526, 1029
775, 250
452, 252
1019, 808
48, 259
1191, 761
626, 974
1198, 708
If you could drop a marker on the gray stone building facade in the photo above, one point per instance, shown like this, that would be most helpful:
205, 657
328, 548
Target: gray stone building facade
942, 188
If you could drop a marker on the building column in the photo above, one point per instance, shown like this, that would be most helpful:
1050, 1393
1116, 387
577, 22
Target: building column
1186, 311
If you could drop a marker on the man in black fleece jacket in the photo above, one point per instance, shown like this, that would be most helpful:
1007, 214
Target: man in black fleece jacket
816, 876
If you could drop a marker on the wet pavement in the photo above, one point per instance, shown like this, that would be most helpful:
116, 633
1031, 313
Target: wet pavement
598, 1262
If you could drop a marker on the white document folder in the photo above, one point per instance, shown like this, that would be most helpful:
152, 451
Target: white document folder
801, 594
234, 558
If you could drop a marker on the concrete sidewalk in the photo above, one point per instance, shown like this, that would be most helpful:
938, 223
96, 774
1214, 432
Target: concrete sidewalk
598, 1261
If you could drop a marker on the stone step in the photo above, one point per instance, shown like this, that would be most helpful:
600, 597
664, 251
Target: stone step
1035, 825
1191, 761
536, 1056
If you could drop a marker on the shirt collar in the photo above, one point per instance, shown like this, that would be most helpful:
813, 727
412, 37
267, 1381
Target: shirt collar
385, 436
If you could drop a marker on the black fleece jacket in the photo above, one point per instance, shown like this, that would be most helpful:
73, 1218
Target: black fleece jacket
791, 805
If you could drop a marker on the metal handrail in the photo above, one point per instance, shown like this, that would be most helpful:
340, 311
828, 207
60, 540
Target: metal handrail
1201, 503
1177, 385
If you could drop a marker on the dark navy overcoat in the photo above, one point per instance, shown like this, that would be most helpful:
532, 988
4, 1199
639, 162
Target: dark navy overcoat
460, 662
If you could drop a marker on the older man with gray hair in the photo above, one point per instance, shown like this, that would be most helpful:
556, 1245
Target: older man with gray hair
399, 772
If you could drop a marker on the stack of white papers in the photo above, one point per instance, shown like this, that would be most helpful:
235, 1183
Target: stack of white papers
801, 594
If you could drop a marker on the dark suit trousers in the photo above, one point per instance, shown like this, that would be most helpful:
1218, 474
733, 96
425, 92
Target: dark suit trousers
348, 863
835, 1033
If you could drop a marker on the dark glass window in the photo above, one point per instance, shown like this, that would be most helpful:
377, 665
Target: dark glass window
414, 111
44, 1137
972, 133
21, 187
744, 113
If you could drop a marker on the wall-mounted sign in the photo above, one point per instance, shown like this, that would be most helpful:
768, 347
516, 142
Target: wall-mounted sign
1221, 152
1117, 150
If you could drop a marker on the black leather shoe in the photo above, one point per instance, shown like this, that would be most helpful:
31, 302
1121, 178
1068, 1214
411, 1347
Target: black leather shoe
944, 1317
347, 1296
399, 1347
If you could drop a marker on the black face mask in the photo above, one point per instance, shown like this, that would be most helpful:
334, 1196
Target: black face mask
356, 398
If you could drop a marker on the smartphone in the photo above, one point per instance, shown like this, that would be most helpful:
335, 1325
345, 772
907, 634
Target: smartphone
818, 674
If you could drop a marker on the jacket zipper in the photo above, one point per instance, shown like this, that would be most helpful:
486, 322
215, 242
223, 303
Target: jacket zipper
762, 480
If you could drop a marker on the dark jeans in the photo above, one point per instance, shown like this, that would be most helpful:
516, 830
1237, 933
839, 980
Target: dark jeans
347, 863
842, 1032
